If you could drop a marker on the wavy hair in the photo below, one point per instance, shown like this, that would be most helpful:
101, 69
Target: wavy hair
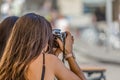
5, 29
29, 37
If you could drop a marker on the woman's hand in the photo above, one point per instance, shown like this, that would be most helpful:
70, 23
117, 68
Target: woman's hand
68, 43
56, 51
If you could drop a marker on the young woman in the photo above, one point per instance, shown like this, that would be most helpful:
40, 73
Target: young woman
28, 56
5, 29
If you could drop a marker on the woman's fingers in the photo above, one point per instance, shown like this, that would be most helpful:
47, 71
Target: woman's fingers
57, 51
73, 39
69, 37
60, 43
68, 43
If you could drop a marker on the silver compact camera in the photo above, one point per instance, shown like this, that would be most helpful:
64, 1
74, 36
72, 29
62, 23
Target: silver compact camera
58, 34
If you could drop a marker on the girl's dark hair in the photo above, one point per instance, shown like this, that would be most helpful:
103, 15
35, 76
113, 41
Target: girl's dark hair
30, 35
5, 29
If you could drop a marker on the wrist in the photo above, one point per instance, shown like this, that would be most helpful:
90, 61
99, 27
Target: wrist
70, 55
68, 52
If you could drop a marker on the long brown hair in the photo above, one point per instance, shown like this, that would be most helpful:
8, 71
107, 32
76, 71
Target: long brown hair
5, 29
29, 37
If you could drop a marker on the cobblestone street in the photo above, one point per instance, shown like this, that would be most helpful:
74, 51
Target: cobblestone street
94, 55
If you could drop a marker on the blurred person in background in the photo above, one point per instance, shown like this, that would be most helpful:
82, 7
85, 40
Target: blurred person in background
5, 29
6, 8
52, 17
17, 7
62, 23
100, 14
27, 53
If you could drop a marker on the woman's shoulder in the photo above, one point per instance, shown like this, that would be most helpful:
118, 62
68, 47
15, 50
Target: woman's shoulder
53, 60
51, 57
54, 63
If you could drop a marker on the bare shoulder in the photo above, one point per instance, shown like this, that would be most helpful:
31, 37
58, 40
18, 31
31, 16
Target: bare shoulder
52, 58
52, 62
59, 69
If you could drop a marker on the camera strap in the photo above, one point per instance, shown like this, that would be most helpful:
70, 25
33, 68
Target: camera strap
43, 67
63, 59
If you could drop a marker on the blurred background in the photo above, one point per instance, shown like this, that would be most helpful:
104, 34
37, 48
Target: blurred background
95, 25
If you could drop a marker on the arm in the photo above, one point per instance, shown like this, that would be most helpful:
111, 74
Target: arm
75, 68
61, 72
68, 51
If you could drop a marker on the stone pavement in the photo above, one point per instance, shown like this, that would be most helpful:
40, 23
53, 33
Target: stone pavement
98, 56
98, 53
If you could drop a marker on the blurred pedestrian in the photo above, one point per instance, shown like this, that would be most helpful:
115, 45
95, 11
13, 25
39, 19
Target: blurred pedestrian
62, 23
6, 8
17, 7
5, 29
52, 17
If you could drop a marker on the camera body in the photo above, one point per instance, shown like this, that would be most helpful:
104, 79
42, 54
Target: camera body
58, 34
